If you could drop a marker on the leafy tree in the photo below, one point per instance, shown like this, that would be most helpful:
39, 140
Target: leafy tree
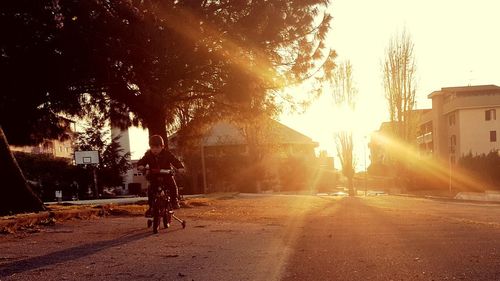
151, 58
113, 163
483, 168
47, 173
210, 53
32, 71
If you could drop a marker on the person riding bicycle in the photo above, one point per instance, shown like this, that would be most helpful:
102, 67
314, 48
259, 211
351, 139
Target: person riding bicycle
157, 158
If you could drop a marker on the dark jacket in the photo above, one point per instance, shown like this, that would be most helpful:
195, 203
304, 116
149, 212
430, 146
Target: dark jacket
164, 160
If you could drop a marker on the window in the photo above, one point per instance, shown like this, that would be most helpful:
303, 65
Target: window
451, 119
493, 136
453, 140
490, 114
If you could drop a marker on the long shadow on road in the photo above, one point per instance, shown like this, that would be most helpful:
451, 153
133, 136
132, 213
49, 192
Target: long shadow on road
68, 254
359, 241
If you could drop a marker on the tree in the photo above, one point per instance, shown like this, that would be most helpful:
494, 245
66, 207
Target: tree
32, 78
344, 95
150, 58
212, 53
345, 146
113, 163
13, 177
399, 72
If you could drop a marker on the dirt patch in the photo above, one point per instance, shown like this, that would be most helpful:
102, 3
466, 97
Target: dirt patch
60, 213
233, 207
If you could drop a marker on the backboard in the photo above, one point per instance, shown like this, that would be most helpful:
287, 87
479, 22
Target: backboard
87, 157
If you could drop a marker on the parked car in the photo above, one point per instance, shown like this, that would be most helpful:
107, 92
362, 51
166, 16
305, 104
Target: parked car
339, 193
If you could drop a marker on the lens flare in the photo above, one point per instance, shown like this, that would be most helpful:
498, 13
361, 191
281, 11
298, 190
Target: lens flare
431, 168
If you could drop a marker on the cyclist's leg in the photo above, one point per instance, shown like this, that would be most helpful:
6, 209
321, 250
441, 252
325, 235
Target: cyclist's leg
149, 212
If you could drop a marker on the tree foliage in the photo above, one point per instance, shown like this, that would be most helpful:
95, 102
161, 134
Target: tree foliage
153, 58
113, 162
147, 62
484, 167
47, 174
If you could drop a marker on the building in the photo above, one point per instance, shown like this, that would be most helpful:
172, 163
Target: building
62, 148
223, 140
227, 154
286, 141
462, 120
381, 148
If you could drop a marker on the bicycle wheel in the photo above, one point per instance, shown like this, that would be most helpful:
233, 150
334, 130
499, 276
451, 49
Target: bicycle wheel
167, 217
156, 216
166, 221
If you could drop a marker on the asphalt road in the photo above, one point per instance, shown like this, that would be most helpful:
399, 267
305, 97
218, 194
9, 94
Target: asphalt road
270, 238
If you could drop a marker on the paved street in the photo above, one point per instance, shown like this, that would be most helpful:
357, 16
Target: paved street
270, 238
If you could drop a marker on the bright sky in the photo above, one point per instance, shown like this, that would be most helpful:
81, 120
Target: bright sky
456, 43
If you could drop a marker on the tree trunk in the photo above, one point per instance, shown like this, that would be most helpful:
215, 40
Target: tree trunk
158, 126
350, 186
15, 194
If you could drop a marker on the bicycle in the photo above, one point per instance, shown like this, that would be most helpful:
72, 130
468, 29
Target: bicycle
162, 204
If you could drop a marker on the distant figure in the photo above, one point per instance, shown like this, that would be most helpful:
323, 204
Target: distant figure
157, 157
74, 189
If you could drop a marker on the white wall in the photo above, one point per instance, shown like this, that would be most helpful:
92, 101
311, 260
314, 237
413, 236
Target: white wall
475, 131
135, 141
124, 141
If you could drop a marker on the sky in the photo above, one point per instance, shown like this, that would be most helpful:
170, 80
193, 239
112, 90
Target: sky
456, 43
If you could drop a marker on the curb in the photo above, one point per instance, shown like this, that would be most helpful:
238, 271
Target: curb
448, 199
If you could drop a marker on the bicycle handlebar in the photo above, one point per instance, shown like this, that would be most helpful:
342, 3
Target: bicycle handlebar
160, 171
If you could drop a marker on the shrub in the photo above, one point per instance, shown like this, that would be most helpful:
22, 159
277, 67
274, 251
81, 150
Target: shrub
48, 173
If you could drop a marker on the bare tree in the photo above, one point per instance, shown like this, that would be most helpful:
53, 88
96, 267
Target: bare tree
399, 73
400, 84
344, 91
345, 147
344, 95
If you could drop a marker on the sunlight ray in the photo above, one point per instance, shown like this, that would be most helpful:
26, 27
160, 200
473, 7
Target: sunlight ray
186, 23
433, 168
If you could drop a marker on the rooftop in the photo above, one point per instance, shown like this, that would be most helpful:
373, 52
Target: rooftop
466, 90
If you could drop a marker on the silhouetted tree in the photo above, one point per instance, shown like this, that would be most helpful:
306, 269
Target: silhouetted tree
213, 53
45, 69
113, 163
32, 76
150, 58
344, 95
13, 177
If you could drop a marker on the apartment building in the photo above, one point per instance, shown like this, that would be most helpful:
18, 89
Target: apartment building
462, 120
62, 148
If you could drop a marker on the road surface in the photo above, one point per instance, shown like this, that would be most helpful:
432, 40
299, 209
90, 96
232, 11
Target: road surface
270, 238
